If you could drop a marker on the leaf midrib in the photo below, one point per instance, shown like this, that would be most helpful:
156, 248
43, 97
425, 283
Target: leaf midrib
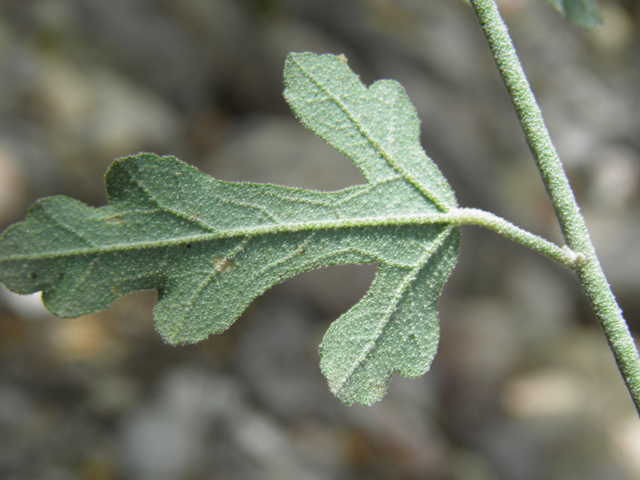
401, 220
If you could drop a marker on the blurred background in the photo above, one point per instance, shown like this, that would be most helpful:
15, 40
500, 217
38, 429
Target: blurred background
523, 386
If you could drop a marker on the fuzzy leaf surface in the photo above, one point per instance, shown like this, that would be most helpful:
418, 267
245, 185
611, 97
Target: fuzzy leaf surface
210, 247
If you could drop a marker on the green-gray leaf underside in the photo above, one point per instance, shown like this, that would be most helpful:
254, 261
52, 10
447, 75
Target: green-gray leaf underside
210, 247
581, 12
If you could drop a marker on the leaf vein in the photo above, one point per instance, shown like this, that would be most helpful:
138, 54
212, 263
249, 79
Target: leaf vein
374, 143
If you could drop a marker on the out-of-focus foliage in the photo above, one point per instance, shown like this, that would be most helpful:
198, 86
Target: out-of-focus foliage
581, 12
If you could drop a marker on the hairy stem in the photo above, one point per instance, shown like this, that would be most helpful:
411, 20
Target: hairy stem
473, 216
564, 203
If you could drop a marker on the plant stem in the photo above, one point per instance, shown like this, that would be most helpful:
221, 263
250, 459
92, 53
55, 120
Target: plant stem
564, 203
481, 218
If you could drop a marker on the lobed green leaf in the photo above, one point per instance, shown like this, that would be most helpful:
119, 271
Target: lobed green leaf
210, 247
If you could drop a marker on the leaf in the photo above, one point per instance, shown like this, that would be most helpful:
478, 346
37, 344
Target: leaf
376, 127
581, 12
210, 247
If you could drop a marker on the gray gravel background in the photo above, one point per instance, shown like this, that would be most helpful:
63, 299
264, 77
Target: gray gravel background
523, 386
